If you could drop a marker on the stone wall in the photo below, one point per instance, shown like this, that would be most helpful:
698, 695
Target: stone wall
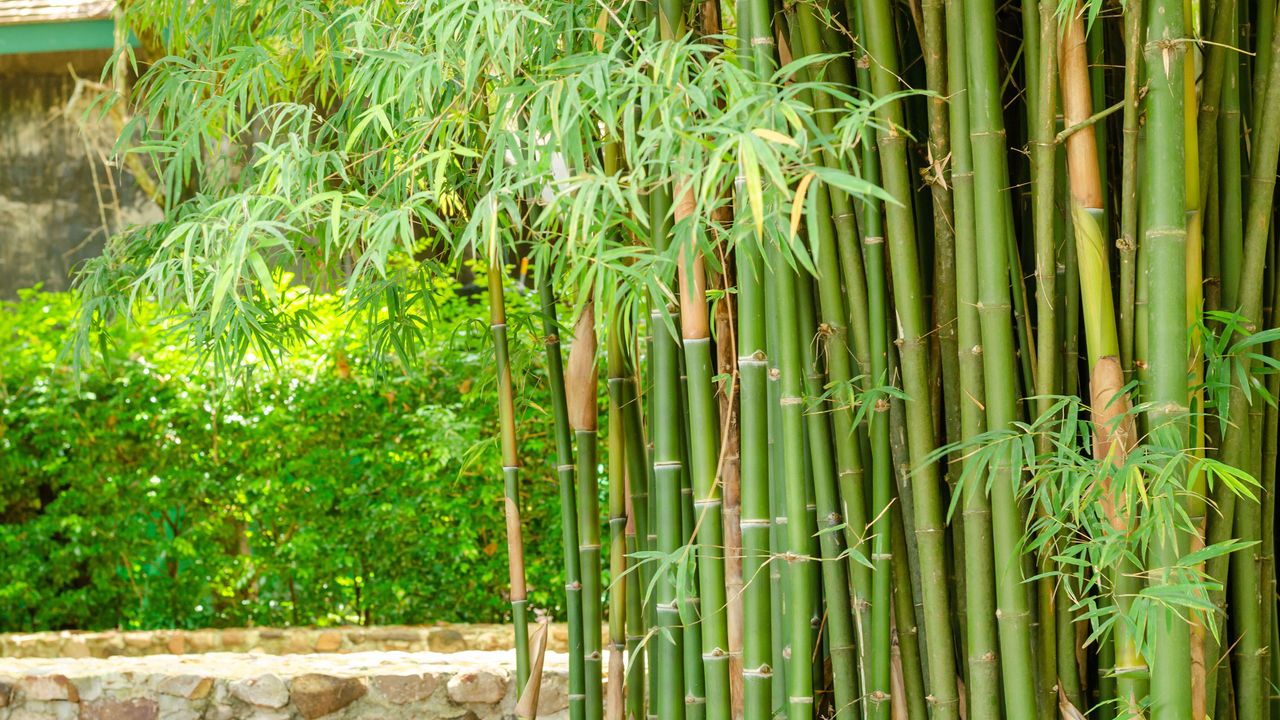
225, 686
442, 638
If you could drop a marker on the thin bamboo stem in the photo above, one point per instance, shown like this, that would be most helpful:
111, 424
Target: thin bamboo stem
568, 500
510, 471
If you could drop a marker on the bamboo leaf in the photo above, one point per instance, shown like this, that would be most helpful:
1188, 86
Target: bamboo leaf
775, 137
797, 204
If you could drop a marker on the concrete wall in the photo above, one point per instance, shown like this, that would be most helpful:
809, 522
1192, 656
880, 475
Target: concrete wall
51, 218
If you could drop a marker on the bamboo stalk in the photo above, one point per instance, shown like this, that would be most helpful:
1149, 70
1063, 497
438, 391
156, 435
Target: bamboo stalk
1165, 245
835, 573
983, 677
1048, 376
847, 505
1128, 242
913, 344
1231, 250
934, 50
668, 466
1013, 608
704, 460
755, 44
668, 455
568, 501
638, 588
621, 580
581, 383
797, 576
510, 471
912, 697
1239, 447
877, 646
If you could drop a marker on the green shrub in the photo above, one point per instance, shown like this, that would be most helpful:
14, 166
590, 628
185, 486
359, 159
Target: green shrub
147, 492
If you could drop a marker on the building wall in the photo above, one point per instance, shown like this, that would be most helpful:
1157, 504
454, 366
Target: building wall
52, 212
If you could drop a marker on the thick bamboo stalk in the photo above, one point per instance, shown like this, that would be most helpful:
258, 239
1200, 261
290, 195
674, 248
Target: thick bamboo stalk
983, 672
581, 383
1165, 245
704, 459
989, 161
756, 46
799, 568
913, 344
689, 601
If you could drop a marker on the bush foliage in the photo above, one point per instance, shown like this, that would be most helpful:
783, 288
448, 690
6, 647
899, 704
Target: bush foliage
338, 486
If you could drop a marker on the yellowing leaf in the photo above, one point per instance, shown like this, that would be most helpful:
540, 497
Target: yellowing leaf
602, 24
774, 136
797, 205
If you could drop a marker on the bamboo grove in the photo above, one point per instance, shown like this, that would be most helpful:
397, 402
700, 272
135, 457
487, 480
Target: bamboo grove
938, 378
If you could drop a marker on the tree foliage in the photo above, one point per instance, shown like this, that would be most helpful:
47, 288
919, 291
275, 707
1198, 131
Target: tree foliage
150, 493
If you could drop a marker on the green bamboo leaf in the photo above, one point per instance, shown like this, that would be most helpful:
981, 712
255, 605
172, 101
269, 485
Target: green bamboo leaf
750, 168
263, 274
220, 288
